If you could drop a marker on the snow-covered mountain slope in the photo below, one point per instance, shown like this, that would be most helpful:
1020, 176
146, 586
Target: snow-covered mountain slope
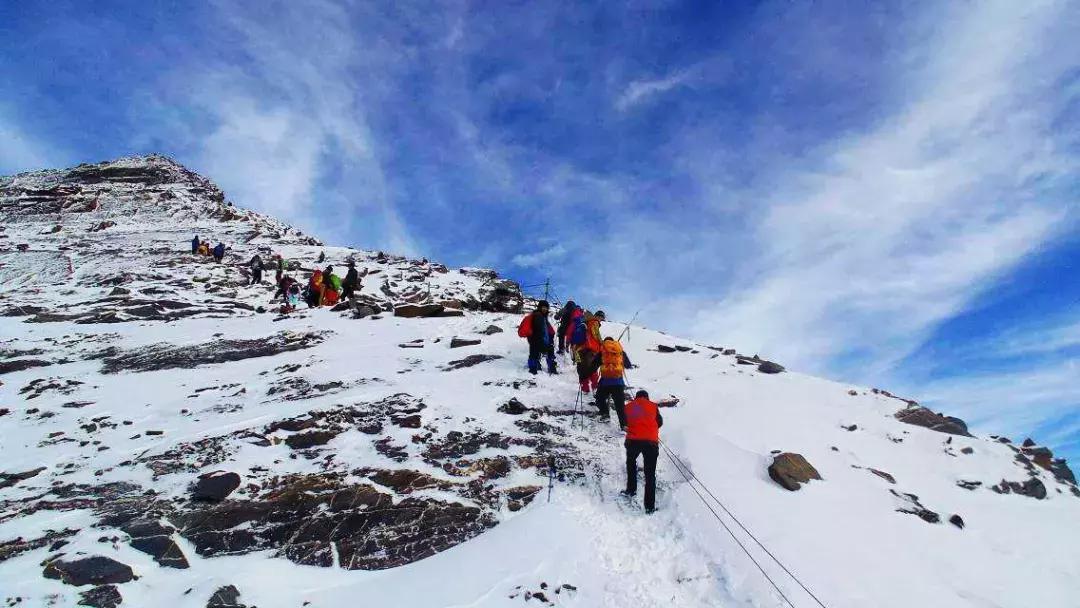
369, 458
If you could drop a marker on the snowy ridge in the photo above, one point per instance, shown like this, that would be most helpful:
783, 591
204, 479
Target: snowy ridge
158, 412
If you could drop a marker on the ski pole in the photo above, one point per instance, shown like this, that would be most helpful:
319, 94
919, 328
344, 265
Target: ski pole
551, 475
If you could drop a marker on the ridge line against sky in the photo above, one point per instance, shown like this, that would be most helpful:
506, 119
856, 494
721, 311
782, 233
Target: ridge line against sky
883, 194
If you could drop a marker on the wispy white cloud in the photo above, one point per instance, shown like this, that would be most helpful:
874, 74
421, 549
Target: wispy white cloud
540, 259
869, 243
1014, 402
641, 91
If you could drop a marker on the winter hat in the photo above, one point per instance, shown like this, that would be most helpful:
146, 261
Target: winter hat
642, 393
600, 315
542, 304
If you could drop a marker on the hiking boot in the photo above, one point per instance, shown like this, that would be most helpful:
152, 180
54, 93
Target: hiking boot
627, 493
650, 510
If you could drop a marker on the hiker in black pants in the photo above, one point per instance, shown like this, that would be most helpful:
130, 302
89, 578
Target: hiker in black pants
563, 317
256, 265
643, 422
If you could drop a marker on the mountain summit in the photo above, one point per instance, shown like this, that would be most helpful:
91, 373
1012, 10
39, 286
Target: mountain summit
172, 439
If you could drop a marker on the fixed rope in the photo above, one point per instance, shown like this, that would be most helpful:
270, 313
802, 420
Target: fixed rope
689, 476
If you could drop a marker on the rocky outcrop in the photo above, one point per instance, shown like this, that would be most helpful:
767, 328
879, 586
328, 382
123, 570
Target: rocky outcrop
215, 487
9, 479
460, 342
770, 367
105, 596
920, 416
909, 503
169, 356
1032, 488
225, 597
96, 570
470, 361
792, 470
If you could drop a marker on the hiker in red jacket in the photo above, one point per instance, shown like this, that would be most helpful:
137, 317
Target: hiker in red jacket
536, 328
643, 422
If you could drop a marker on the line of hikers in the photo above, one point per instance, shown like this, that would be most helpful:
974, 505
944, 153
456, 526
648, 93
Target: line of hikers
601, 368
324, 287
203, 248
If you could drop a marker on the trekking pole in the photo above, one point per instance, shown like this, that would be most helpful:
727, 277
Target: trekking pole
551, 475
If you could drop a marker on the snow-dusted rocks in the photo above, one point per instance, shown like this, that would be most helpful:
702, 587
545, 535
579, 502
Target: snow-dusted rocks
792, 470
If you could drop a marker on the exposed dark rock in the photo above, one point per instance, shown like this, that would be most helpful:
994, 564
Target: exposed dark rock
1062, 472
408, 422
460, 342
1029, 442
96, 570
968, 485
9, 479
769, 367
520, 497
1032, 487
309, 439
882, 474
302, 515
663, 348
967, 450
105, 596
163, 549
18, 546
215, 487
412, 311
791, 470
852, 427
500, 295
513, 407
225, 597
470, 361
920, 416
957, 521
168, 356
912, 506
492, 330
18, 365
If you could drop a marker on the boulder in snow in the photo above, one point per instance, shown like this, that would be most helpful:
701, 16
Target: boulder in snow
1032, 487
215, 487
920, 416
225, 597
513, 407
412, 311
95, 570
770, 367
492, 330
792, 470
456, 342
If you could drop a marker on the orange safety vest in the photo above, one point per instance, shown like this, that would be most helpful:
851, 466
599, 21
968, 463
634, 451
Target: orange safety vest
641, 421
611, 359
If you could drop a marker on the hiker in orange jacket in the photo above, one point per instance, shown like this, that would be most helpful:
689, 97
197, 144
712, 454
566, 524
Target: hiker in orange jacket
643, 422
611, 363
536, 328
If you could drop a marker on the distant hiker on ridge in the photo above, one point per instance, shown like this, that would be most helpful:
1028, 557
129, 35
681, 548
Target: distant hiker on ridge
643, 422
351, 282
279, 267
322, 257
219, 252
195, 245
256, 265
536, 328
611, 363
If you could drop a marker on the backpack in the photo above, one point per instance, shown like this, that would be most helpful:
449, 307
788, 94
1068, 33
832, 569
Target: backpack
579, 334
611, 359
526, 327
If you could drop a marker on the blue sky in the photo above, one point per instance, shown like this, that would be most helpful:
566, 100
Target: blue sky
885, 195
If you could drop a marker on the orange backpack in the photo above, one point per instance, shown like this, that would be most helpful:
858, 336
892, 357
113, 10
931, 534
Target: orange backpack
611, 359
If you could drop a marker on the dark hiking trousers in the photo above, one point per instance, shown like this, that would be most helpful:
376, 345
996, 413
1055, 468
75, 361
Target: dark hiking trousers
617, 396
650, 451
256, 276
538, 349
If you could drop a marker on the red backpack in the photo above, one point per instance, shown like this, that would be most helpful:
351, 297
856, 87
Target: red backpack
526, 328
